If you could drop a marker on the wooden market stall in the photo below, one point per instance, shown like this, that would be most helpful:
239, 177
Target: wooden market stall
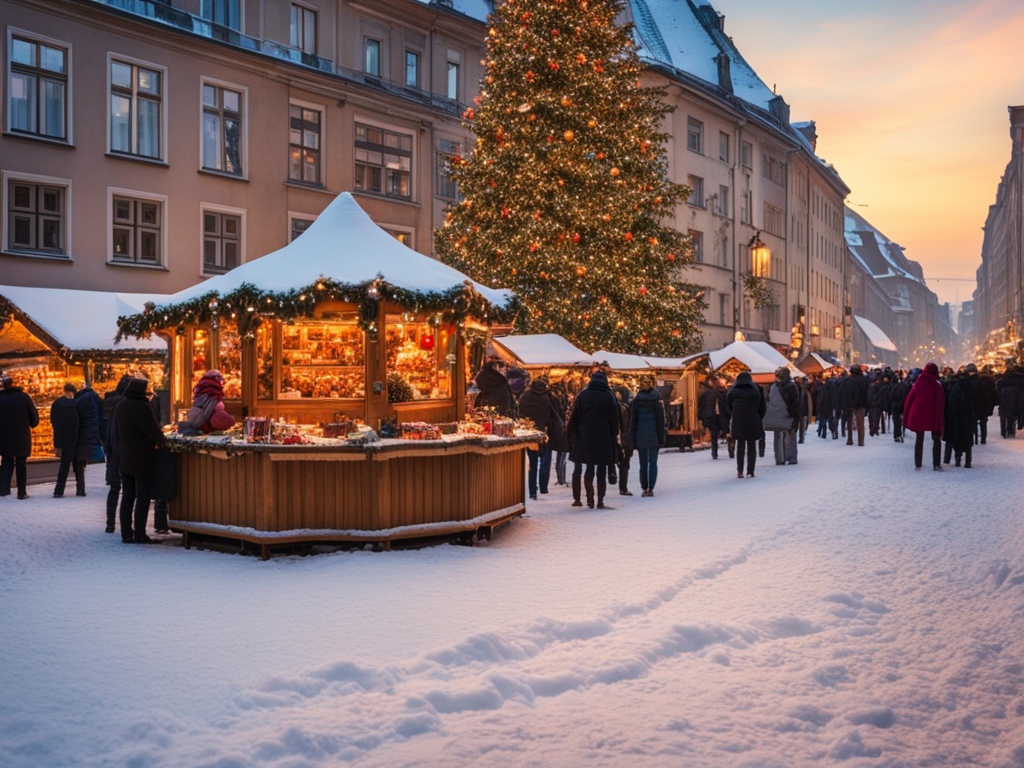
342, 331
49, 337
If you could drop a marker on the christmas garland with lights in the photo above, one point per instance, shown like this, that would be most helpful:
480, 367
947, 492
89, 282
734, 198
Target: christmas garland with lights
248, 306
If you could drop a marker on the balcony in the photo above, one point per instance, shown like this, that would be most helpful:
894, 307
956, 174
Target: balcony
165, 14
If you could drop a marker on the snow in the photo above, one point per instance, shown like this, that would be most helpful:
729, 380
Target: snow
759, 357
541, 349
844, 611
343, 244
875, 334
83, 320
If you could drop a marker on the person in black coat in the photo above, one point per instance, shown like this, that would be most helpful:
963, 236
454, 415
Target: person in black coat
495, 391
18, 417
986, 384
713, 412
537, 405
64, 420
112, 450
90, 414
747, 405
961, 417
140, 435
592, 429
853, 402
560, 448
647, 431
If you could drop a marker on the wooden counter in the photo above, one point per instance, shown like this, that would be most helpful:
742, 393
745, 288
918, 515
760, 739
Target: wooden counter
377, 493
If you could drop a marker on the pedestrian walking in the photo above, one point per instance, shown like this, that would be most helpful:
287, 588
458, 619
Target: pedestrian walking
647, 431
18, 417
592, 429
747, 405
64, 420
140, 436
782, 415
924, 411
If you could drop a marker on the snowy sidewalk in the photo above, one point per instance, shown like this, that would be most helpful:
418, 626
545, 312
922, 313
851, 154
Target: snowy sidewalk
847, 610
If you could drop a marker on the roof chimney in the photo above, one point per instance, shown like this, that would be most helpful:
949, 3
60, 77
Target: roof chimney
810, 132
780, 109
724, 72
712, 18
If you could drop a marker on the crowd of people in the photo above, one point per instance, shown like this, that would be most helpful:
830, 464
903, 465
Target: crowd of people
600, 427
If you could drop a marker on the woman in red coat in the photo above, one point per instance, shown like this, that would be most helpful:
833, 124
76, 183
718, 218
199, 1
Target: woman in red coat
923, 411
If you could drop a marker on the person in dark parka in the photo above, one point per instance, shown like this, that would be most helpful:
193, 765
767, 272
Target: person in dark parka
140, 436
90, 414
539, 406
961, 417
986, 384
18, 417
853, 402
592, 429
647, 431
112, 450
64, 420
495, 391
712, 411
747, 405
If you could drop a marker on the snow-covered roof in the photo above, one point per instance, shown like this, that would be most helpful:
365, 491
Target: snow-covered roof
757, 356
541, 349
618, 361
344, 245
880, 256
814, 363
673, 362
80, 320
875, 334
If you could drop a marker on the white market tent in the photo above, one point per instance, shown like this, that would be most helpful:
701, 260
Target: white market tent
73, 320
759, 357
618, 361
875, 334
344, 245
541, 349
814, 363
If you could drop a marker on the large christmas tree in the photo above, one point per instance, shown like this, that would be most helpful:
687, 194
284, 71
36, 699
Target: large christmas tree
566, 189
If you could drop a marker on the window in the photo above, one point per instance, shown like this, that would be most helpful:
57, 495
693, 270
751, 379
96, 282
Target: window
723, 200
298, 226
747, 154
695, 135
222, 233
371, 56
696, 184
222, 129
723, 308
304, 145
746, 201
223, 12
723, 146
453, 81
136, 227
412, 69
303, 29
697, 244
724, 251
403, 236
774, 220
37, 89
446, 186
774, 170
383, 161
136, 107
37, 214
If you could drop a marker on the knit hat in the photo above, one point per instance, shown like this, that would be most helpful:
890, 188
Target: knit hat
136, 387
932, 368
122, 384
745, 378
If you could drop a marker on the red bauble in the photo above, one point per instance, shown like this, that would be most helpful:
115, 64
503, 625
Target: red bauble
427, 342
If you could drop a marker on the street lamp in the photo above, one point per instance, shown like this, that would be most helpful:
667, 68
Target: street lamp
760, 256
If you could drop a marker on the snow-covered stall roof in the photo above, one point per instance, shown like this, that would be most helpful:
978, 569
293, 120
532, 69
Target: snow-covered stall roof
665, 363
541, 349
759, 357
814, 363
345, 245
875, 334
77, 321
618, 361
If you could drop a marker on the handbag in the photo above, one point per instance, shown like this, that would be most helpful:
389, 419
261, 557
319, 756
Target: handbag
96, 455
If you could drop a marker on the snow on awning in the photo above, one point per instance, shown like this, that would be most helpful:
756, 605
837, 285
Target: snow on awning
621, 362
541, 349
875, 334
782, 338
80, 321
814, 363
759, 357
674, 362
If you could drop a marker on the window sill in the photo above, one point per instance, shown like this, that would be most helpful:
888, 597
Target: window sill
136, 265
223, 174
306, 185
39, 139
388, 198
38, 256
138, 159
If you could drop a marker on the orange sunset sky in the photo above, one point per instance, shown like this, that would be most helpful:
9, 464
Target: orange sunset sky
910, 99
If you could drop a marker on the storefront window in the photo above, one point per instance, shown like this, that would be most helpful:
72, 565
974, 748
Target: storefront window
230, 364
323, 359
421, 351
200, 355
265, 362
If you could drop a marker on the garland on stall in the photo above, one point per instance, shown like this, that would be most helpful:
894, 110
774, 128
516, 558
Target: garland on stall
248, 305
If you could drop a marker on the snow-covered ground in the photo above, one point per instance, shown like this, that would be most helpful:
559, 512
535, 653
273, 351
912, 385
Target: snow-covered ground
845, 611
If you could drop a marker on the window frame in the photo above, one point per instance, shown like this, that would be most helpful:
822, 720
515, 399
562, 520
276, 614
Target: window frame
7, 179
11, 68
724, 146
695, 135
696, 185
452, 86
384, 174
747, 155
697, 245
295, 216
723, 200
300, 36
220, 110
220, 211
372, 66
417, 60
442, 179
115, 193
399, 233
136, 100
321, 111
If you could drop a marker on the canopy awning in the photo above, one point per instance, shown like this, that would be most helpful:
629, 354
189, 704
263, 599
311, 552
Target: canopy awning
541, 349
875, 334
758, 357
814, 363
66, 320
618, 361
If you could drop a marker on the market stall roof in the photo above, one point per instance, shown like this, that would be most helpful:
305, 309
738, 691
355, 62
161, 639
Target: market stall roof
667, 363
875, 334
74, 320
541, 349
814, 363
618, 361
759, 357
346, 246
